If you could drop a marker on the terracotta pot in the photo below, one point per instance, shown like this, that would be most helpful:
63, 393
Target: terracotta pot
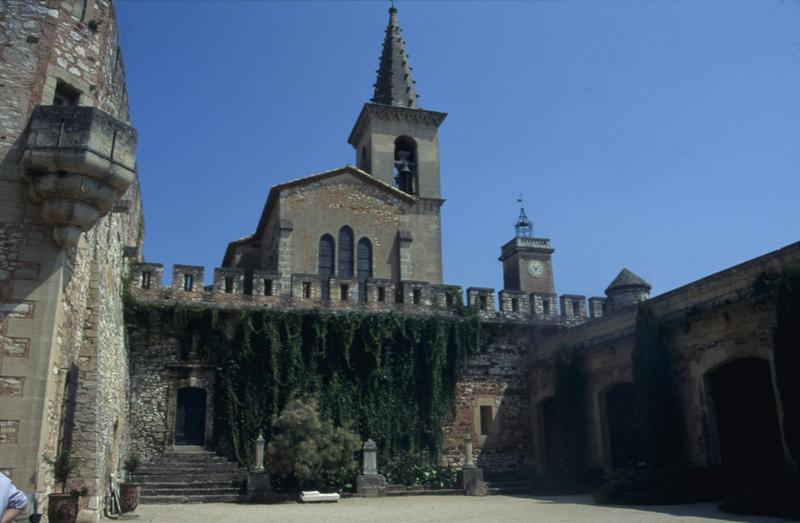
129, 496
62, 508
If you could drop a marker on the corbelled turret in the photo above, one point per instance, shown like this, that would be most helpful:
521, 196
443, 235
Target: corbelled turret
394, 85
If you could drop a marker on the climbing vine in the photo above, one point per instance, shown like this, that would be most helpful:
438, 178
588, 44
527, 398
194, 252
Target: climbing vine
388, 377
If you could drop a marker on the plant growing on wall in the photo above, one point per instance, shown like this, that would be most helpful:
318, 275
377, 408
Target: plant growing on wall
570, 402
787, 356
656, 408
309, 450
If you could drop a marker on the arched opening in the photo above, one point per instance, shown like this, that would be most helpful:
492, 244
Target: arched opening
363, 163
190, 416
624, 442
326, 265
549, 434
746, 416
405, 162
364, 266
346, 252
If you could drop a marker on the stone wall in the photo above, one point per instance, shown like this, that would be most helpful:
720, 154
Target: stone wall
63, 366
710, 322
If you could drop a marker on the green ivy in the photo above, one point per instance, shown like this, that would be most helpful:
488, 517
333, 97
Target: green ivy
389, 377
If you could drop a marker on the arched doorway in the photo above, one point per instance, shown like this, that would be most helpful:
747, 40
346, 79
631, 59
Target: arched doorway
746, 416
624, 441
190, 416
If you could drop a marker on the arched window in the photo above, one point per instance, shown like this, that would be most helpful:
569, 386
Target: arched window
346, 252
364, 163
326, 264
405, 162
364, 266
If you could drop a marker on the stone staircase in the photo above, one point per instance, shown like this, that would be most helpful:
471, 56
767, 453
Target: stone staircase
190, 475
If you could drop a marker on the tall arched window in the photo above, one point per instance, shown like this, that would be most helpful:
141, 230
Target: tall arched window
364, 163
346, 252
405, 162
364, 266
326, 264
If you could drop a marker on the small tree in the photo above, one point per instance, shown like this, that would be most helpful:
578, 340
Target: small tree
309, 450
570, 402
63, 466
654, 393
787, 356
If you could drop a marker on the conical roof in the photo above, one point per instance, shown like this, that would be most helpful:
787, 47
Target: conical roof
627, 279
394, 85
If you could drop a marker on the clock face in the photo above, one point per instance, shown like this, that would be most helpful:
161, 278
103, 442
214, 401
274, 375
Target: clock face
535, 268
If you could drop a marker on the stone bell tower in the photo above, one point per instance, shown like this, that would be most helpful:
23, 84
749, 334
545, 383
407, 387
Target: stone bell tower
527, 261
395, 140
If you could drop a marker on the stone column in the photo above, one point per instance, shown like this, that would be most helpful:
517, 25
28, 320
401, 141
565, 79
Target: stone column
370, 483
470, 477
259, 488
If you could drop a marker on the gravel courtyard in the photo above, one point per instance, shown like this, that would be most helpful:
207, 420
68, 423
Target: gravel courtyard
416, 509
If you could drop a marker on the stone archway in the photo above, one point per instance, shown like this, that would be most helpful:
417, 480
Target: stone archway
623, 442
746, 416
190, 416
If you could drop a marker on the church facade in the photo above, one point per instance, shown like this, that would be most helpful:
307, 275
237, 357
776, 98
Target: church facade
77, 375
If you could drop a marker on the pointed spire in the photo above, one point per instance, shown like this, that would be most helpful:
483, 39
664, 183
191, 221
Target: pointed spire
524, 226
394, 85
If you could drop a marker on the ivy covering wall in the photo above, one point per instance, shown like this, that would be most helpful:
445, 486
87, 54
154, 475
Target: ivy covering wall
389, 377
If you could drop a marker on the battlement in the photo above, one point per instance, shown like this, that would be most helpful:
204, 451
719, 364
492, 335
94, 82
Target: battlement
237, 288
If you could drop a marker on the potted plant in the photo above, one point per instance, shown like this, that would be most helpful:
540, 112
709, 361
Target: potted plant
129, 491
62, 507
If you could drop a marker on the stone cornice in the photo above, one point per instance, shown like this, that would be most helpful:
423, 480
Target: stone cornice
390, 112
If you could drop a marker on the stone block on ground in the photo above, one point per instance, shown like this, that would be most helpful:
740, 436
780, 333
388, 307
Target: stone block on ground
314, 496
370, 485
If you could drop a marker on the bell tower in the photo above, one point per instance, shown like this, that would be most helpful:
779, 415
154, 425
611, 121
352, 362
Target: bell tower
395, 140
527, 261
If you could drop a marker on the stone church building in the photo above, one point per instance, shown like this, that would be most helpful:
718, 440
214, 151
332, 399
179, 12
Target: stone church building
76, 374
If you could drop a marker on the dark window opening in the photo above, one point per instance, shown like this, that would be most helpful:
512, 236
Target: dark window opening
267, 287
188, 281
228, 285
307, 290
546, 306
326, 264
450, 298
576, 309
146, 280
415, 294
486, 420
344, 291
363, 266
514, 305
346, 252
482, 302
381, 294
405, 162
364, 164
66, 94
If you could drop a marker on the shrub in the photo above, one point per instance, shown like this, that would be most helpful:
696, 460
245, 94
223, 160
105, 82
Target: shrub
63, 465
310, 451
414, 470
132, 463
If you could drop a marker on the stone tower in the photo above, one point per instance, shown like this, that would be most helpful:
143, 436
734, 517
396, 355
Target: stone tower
527, 261
397, 142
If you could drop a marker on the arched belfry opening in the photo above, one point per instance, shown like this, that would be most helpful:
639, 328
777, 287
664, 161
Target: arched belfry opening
405, 163
190, 416
746, 417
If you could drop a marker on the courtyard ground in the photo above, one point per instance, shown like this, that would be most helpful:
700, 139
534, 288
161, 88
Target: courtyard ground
417, 509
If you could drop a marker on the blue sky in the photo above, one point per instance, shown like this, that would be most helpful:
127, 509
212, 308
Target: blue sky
659, 136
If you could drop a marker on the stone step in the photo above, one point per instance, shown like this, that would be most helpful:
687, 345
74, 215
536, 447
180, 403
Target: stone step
426, 492
171, 500
202, 483
190, 490
165, 469
176, 478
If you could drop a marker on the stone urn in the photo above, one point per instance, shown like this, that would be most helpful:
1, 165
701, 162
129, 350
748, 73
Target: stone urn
62, 508
129, 496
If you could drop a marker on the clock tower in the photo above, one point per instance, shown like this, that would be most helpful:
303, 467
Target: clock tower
527, 261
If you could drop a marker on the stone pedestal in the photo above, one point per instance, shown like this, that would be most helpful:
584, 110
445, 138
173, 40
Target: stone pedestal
469, 475
370, 484
259, 488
